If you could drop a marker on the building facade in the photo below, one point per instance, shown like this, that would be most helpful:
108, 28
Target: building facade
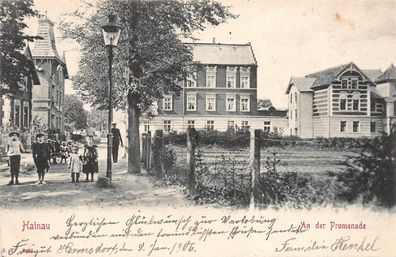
48, 98
221, 94
16, 103
343, 101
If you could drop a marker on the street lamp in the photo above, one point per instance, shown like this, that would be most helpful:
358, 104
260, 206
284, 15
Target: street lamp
111, 34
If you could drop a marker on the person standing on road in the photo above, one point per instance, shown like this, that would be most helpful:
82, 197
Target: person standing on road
90, 159
41, 157
75, 164
14, 149
117, 140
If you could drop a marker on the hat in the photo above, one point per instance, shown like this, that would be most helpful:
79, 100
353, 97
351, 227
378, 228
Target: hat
14, 133
113, 123
39, 135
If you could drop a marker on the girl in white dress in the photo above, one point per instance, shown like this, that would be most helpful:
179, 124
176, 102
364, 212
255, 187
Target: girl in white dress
75, 164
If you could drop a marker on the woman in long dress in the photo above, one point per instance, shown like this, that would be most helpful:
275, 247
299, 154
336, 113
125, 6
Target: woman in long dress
14, 149
90, 159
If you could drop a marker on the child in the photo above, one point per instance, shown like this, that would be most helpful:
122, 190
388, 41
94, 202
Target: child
41, 157
64, 153
14, 149
90, 157
75, 164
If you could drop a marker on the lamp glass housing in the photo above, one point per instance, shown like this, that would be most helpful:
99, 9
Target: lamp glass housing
111, 32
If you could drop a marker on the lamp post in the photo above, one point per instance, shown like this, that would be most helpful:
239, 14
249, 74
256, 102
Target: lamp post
111, 34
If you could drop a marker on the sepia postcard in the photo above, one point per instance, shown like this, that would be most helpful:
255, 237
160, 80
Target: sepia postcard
197, 128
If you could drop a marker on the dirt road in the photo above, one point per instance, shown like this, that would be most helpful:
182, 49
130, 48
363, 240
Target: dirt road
136, 190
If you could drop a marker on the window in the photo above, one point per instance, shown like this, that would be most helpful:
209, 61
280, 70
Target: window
295, 97
372, 106
191, 123
245, 77
245, 82
354, 83
291, 98
211, 77
230, 103
295, 114
167, 102
343, 101
378, 107
210, 124
267, 126
210, 81
210, 102
355, 127
191, 102
291, 114
343, 125
26, 114
372, 126
17, 113
245, 103
146, 127
231, 77
355, 101
230, 124
244, 124
191, 80
167, 125
344, 84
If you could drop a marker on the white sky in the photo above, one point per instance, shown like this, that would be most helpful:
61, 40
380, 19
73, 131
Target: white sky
289, 37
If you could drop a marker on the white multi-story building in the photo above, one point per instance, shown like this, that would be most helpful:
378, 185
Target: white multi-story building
343, 101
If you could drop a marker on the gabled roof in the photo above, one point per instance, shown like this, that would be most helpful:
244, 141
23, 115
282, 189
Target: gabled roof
388, 75
325, 77
303, 84
223, 54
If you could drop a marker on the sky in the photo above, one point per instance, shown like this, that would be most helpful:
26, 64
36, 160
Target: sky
289, 37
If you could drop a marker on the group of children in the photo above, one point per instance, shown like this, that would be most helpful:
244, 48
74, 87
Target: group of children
85, 162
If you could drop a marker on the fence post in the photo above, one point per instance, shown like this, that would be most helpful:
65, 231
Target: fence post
144, 149
256, 193
157, 147
192, 135
148, 152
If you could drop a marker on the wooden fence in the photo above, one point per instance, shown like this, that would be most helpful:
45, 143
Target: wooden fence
152, 147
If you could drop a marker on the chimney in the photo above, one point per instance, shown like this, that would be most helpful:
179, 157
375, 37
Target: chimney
214, 40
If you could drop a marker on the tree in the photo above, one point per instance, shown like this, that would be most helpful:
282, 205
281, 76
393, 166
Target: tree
75, 115
151, 59
14, 65
97, 120
372, 174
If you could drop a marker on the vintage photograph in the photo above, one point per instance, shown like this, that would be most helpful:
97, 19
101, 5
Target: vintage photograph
218, 104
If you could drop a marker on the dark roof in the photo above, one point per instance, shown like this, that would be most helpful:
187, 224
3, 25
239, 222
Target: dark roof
388, 75
272, 112
373, 74
325, 77
223, 54
45, 47
303, 84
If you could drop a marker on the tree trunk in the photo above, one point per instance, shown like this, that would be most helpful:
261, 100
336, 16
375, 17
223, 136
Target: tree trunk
133, 135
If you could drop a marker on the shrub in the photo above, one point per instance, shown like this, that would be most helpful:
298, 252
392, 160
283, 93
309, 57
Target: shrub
371, 175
